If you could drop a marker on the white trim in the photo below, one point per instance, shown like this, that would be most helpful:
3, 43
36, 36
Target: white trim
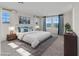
73, 22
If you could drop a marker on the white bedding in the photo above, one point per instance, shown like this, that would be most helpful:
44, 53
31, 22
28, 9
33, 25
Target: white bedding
34, 37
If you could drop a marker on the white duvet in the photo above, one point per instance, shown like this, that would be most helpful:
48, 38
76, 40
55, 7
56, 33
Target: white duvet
34, 37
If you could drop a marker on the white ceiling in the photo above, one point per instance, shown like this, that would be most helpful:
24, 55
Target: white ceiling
39, 8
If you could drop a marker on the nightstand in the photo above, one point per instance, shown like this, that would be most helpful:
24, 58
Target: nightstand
11, 37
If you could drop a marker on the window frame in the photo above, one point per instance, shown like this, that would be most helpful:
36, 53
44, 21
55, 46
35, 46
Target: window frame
6, 16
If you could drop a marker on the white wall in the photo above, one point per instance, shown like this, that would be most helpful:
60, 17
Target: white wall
76, 22
0, 31
0, 23
38, 20
68, 17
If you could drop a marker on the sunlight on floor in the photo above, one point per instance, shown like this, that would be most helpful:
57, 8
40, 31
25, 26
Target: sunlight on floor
13, 45
23, 52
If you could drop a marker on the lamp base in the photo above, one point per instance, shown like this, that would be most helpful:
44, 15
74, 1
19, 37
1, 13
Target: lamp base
11, 32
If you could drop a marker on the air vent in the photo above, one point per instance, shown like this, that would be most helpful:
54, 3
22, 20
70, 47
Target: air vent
21, 2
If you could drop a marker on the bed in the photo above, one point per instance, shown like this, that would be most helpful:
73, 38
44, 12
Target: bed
34, 37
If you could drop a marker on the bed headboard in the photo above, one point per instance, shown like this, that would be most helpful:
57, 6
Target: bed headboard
24, 28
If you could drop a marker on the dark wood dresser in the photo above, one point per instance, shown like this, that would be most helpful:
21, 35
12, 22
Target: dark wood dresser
70, 44
11, 37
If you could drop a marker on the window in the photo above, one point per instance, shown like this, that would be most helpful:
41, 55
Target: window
52, 22
55, 21
5, 16
48, 21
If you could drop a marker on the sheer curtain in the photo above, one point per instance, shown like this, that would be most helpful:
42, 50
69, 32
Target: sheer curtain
52, 24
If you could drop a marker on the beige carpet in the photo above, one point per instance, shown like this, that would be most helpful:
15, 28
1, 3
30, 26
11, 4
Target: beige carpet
48, 48
8, 48
56, 49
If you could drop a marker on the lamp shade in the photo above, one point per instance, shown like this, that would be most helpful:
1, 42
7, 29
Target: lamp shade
11, 28
37, 27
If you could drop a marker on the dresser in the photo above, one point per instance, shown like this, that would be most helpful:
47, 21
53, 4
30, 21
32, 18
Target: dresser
70, 44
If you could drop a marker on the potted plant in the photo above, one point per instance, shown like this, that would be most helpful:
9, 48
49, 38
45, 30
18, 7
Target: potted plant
68, 28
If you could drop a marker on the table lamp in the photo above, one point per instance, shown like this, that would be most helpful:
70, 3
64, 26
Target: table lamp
37, 27
11, 29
